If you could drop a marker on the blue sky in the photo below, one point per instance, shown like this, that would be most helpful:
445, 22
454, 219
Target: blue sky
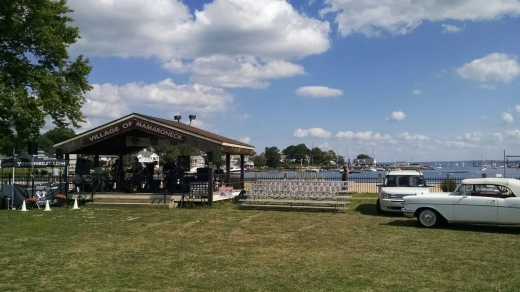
398, 80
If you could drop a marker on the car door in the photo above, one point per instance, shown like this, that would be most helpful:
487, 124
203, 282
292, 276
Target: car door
509, 210
477, 205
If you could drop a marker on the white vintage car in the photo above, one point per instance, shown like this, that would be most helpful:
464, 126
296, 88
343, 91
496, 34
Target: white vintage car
481, 200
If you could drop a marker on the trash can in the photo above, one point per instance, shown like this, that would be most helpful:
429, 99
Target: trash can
5, 203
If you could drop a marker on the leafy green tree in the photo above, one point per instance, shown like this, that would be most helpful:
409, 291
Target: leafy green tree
318, 157
37, 79
45, 143
363, 156
298, 152
272, 156
259, 160
59, 134
51, 137
171, 153
341, 160
217, 159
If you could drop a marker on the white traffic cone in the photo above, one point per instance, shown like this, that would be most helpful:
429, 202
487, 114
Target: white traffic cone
24, 208
75, 204
47, 207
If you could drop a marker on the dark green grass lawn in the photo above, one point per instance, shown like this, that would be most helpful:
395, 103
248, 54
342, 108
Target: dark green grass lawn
224, 248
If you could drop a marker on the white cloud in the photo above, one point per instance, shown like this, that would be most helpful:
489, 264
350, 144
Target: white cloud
485, 139
373, 18
517, 107
318, 91
347, 135
396, 116
107, 101
409, 137
325, 146
240, 71
493, 68
495, 138
507, 117
364, 136
246, 140
215, 39
313, 132
448, 28
379, 137
417, 92
513, 134
459, 144
474, 137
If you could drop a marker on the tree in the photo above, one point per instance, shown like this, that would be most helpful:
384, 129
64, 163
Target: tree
318, 157
51, 137
37, 80
171, 153
341, 160
363, 156
298, 152
272, 156
217, 159
259, 160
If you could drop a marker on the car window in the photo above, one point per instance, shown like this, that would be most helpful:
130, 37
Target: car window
390, 181
486, 191
506, 192
493, 191
404, 181
462, 190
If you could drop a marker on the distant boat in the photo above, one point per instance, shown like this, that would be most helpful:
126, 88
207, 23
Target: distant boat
313, 169
233, 169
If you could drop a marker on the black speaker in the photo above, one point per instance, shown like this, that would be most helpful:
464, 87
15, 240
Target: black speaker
183, 163
204, 171
32, 148
83, 166
59, 153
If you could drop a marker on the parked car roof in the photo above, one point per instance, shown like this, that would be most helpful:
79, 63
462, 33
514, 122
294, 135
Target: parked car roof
404, 172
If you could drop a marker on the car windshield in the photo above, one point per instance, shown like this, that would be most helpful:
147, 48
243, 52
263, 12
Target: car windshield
404, 181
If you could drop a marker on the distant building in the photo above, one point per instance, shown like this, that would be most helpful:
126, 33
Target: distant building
364, 162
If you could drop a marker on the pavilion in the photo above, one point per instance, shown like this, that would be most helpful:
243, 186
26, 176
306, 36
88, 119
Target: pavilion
134, 132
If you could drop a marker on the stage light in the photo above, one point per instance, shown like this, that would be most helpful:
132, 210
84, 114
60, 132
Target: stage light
177, 118
192, 117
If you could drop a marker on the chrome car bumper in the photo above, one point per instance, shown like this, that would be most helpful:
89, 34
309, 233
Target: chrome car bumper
407, 213
391, 205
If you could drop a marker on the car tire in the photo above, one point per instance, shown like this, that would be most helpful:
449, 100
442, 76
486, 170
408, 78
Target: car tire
378, 208
429, 218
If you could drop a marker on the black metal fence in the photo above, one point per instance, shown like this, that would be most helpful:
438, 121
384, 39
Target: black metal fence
360, 184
